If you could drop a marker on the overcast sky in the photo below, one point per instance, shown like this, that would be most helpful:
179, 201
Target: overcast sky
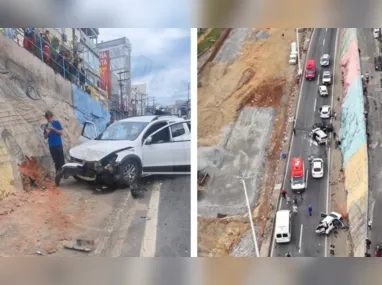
160, 58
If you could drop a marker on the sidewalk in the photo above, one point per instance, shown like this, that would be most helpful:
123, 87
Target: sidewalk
338, 195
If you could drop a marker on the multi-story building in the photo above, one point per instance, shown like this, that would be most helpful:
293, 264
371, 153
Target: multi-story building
119, 51
87, 51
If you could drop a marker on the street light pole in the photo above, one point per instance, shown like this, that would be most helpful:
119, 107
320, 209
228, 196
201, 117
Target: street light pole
298, 53
250, 215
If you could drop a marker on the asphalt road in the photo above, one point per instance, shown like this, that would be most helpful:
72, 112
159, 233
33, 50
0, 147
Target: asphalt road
369, 48
305, 242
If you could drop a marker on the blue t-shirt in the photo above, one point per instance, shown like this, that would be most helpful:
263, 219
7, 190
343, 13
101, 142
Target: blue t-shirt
54, 139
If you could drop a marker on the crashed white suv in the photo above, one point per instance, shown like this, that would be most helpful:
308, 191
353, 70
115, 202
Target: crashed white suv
131, 148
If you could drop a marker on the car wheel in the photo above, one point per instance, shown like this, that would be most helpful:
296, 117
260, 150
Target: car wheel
130, 172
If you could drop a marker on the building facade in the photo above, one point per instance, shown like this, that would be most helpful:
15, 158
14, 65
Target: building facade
120, 72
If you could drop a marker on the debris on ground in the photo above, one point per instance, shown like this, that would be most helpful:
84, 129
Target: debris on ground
81, 245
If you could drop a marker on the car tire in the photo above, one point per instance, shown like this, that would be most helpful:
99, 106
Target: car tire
130, 172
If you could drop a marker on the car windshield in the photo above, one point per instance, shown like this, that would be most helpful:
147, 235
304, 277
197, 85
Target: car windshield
310, 71
317, 169
333, 216
297, 180
122, 131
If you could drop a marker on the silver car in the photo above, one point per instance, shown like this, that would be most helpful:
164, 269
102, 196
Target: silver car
325, 60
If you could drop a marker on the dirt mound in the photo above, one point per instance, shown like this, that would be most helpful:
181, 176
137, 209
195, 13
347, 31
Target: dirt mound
33, 174
266, 94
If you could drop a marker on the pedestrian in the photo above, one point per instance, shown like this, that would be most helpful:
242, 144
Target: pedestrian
294, 131
29, 41
288, 200
334, 135
295, 200
53, 132
112, 120
310, 209
288, 254
284, 193
301, 198
332, 247
295, 209
369, 223
359, 50
368, 243
335, 116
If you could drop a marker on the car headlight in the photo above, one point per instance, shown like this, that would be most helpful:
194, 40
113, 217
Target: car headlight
97, 166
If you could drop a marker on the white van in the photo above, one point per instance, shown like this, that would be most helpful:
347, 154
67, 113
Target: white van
293, 48
319, 136
283, 228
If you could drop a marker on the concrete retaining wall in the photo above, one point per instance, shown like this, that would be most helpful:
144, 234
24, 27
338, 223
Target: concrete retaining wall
28, 88
354, 141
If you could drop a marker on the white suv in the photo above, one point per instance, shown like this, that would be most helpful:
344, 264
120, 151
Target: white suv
323, 90
131, 148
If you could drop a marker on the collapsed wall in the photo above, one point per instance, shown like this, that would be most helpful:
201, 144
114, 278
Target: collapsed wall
354, 140
28, 88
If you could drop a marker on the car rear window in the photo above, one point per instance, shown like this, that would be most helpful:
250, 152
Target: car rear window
285, 235
278, 235
316, 169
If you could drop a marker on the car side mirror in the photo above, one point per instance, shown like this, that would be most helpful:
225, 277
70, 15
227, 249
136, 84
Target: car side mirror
149, 140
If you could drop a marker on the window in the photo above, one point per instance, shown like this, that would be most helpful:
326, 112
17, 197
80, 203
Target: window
177, 130
153, 129
162, 136
123, 131
89, 131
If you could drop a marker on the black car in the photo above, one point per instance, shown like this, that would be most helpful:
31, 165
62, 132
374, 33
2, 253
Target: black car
378, 63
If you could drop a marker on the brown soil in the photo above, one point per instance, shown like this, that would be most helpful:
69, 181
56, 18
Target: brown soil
226, 88
219, 235
260, 77
37, 218
204, 35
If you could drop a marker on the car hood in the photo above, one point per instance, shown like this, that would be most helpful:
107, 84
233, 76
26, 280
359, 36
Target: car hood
95, 150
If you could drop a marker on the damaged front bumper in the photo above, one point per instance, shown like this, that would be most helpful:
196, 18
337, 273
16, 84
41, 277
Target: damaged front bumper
90, 171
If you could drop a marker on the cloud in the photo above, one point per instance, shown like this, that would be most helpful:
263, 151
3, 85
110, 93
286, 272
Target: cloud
160, 58
135, 14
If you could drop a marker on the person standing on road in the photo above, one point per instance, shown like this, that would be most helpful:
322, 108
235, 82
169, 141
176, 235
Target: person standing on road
332, 247
310, 210
368, 243
288, 200
288, 254
294, 131
53, 132
284, 193
295, 209
369, 223
295, 200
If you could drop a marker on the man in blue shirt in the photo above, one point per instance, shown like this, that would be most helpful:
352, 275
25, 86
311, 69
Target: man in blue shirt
53, 132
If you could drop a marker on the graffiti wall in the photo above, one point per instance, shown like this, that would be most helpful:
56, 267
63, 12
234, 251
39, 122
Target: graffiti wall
353, 140
87, 108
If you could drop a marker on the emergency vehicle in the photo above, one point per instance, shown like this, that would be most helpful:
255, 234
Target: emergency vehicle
297, 174
310, 71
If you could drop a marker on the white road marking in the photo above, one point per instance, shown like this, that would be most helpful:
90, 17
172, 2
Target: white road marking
150, 236
329, 152
315, 104
318, 80
294, 125
323, 43
300, 243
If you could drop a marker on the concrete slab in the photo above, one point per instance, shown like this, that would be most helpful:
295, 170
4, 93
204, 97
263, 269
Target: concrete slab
244, 154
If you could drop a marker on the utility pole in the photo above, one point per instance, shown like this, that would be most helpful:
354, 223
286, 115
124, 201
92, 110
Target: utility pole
242, 178
121, 80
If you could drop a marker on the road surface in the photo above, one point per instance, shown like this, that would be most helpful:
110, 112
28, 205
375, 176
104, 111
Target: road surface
369, 48
154, 225
305, 242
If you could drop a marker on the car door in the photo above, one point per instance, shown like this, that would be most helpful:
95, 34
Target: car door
181, 139
162, 154
89, 132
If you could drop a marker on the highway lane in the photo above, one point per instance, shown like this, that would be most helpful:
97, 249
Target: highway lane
369, 48
305, 242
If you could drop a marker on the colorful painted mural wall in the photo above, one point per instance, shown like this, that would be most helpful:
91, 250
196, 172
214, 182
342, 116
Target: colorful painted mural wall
353, 140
